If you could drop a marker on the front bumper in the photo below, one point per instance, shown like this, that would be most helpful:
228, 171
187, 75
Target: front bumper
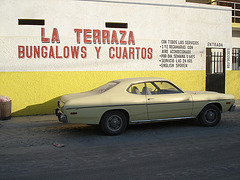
61, 117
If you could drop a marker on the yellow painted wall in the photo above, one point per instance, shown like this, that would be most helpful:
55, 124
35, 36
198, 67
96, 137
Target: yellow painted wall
38, 92
236, 25
233, 83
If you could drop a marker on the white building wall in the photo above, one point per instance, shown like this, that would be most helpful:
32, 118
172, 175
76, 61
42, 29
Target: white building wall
168, 35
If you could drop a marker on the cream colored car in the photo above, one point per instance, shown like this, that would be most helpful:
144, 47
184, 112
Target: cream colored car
139, 100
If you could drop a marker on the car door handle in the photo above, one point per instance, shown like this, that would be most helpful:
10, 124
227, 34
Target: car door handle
150, 98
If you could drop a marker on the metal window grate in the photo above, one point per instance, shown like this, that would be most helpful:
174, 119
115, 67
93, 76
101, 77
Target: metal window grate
235, 9
217, 65
236, 59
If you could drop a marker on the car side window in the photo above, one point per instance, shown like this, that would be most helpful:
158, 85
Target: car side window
138, 88
162, 87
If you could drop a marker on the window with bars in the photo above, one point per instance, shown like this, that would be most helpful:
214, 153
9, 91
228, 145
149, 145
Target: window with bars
235, 5
236, 59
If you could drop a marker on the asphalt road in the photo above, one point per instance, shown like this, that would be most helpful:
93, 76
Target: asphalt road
166, 150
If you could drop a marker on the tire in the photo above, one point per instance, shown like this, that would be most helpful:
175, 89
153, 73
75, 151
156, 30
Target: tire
209, 116
113, 123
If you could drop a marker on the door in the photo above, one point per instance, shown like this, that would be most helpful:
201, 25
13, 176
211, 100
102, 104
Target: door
137, 106
164, 101
215, 70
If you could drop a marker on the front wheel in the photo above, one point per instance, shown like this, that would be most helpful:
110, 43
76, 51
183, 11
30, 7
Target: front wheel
113, 123
210, 116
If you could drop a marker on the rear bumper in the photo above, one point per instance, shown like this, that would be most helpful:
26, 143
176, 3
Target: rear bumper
61, 117
232, 108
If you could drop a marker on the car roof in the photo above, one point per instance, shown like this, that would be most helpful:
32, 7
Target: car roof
124, 84
140, 79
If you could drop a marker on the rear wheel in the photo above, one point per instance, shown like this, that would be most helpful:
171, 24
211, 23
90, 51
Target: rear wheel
113, 123
210, 116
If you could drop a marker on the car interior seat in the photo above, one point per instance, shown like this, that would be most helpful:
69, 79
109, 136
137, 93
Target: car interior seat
135, 90
145, 90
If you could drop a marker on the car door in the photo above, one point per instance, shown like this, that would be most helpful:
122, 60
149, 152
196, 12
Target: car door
138, 107
164, 100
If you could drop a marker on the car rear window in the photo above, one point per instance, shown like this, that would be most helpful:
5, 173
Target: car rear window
105, 87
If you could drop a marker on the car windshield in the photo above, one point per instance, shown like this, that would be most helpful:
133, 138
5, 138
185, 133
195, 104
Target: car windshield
105, 87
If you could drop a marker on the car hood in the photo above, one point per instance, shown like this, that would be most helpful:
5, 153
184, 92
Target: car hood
201, 92
210, 95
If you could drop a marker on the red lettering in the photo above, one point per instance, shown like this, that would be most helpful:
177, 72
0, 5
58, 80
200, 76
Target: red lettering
29, 51
55, 36
110, 52
114, 38
105, 37
86, 35
97, 50
118, 52
84, 52
123, 33
57, 56
44, 54
125, 54
137, 48
78, 31
96, 36
43, 39
150, 50
131, 39
36, 51
21, 53
143, 53
131, 53
75, 51
51, 52
66, 52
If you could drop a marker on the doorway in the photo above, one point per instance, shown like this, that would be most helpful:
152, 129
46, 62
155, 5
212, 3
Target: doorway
215, 70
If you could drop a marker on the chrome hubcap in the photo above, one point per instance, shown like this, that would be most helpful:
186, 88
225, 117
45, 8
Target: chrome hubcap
210, 115
114, 123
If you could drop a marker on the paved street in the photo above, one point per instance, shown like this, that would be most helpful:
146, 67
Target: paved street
166, 150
